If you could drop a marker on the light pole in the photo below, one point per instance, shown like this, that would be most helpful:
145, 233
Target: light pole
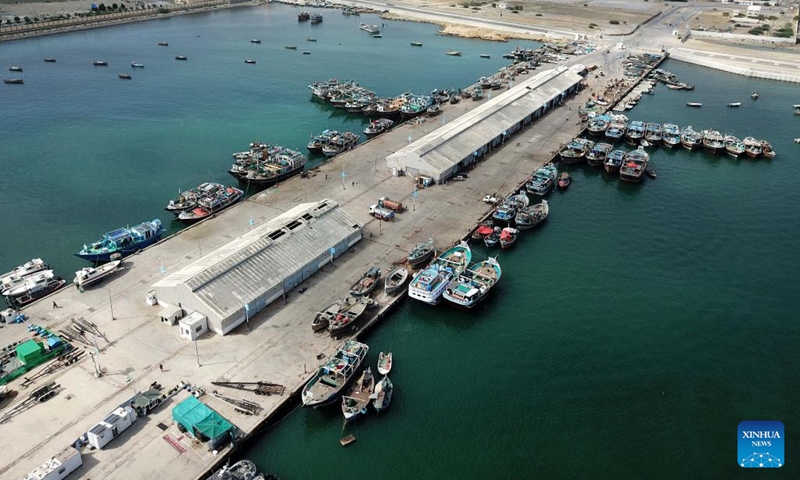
196, 353
414, 198
110, 304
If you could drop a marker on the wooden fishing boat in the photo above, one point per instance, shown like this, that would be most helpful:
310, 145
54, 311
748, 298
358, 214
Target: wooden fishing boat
355, 403
508, 237
383, 394
421, 253
395, 280
472, 286
345, 441
367, 283
348, 316
334, 374
564, 180
384, 363
322, 319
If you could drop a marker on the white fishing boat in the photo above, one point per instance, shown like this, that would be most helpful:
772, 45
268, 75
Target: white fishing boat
427, 285
383, 394
385, 363
90, 275
28, 268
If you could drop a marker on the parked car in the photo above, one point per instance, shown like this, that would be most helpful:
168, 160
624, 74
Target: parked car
459, 178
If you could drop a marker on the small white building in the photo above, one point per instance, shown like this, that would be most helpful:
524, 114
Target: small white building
744, 2
171, 314
193, 326
111, 427
753, 11
58, 467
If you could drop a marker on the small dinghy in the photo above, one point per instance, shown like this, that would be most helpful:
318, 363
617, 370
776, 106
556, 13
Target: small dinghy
384, 363
694, 104
383, 394
395, 280
735, 104
651, 173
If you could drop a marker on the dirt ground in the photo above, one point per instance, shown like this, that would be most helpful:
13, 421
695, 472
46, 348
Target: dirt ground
589, 16
722, 19
38, 8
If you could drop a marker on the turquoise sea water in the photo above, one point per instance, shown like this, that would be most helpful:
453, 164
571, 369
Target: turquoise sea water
84, 152
628, 338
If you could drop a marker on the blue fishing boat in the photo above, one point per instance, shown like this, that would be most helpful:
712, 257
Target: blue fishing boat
123, 242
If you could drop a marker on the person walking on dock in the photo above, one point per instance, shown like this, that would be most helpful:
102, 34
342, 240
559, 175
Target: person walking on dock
55, 305
160, 367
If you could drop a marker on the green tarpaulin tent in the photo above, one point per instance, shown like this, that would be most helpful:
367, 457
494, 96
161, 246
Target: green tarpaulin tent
196, 417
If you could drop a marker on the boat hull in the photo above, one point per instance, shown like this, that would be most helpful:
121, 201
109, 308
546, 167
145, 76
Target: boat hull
416, 262
124, 252
189, 218
631, 178
267, 182
24, 300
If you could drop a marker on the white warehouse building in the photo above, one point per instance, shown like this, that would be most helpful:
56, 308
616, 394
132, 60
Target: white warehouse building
238, 280
443, 152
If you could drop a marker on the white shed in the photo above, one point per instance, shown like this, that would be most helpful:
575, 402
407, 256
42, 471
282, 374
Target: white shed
193, 326
110, 427
57, 467
171, 314
753, 11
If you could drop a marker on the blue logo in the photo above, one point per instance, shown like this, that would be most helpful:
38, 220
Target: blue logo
760, 444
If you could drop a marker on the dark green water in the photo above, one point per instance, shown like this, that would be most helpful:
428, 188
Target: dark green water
628, 338
83, 152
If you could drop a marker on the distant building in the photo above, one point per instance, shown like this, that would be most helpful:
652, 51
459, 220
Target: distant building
753, 11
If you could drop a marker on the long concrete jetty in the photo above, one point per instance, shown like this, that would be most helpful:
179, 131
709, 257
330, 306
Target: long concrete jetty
279, 346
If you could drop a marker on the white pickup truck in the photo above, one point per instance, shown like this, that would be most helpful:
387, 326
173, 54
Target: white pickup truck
381, 213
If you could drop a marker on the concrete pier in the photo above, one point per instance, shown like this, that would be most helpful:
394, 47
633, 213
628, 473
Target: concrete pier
279, 346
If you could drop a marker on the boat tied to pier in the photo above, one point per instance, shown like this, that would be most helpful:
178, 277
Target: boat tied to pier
334, 374
575, 151
123, 242
670, 135
634, 165
597, 155
713, 141
376, 127
474, 284
188, 200
211, 204
542, 180
429, 283
241, 470
32, 288
599, 124
635, 132
617, 128
383, 394
349, 314
752, 147
508, 237
733, 146
532, 216
265, 165
15, 276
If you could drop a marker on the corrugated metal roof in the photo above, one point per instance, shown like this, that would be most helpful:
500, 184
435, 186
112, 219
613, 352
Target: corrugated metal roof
453, 142
252, 264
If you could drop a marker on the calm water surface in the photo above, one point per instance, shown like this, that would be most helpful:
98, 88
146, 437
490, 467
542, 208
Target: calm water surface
630, 334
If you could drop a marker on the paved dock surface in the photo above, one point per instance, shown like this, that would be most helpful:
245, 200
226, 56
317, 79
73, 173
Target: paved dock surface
279, 346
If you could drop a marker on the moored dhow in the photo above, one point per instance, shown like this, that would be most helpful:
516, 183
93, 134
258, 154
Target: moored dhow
334, 374
266, 165
691, 139
670, 135
474, 284
123, 242
597, 155
598, 125
366, 283
635, 132
575, 151
614, 161
395, 280
616, 129
376, 127
733, 146
210, 204
542, 180
188, 200
752, 147
532, 215
383, 394
340, 143
303, 16
653, 133
713, 141
428, 284
349, 314
634, 165
369, 28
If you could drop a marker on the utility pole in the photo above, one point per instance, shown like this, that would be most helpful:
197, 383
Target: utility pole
197, 354
110, 304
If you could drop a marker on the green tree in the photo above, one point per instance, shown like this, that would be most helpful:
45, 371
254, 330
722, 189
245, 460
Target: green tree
114, 6
102, 7
27, 20
17, 20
